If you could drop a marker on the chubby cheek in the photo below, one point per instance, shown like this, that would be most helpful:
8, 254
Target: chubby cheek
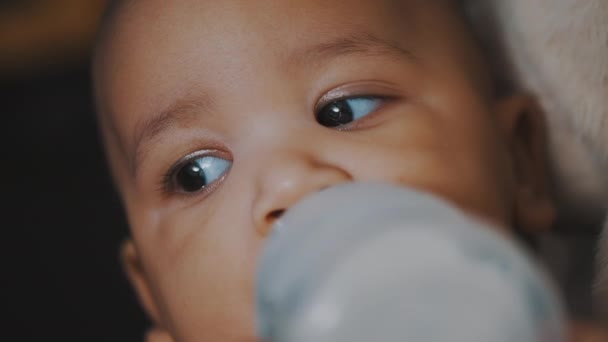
430, 153
206, 277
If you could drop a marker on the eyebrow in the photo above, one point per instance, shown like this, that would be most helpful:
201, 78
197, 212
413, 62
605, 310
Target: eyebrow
358, 43
149, 130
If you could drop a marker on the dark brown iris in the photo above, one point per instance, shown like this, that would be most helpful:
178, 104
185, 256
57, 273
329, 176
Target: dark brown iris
335, 114
191, 177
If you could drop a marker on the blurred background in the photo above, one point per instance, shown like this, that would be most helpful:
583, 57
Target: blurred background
60, 277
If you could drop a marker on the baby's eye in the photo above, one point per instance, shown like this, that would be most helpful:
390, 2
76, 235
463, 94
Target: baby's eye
198, 173
344, 111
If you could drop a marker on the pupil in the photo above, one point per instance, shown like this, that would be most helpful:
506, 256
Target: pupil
336, 114
191, 178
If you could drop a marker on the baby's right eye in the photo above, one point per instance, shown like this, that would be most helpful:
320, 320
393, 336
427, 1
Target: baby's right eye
198, 173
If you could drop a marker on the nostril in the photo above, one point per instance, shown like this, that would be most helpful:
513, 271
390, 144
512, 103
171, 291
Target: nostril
274, 215
270, 222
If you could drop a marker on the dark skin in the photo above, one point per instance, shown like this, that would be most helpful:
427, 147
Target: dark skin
241, 91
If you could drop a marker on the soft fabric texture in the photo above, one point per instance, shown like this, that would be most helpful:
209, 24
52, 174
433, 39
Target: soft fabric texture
558, 50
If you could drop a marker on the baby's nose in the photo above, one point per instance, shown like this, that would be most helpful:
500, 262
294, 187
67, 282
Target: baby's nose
286, 182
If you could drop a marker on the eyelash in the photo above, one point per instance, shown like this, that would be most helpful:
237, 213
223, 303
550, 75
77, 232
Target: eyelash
166, 185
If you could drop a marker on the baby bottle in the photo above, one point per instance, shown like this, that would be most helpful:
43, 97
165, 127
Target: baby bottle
366, 262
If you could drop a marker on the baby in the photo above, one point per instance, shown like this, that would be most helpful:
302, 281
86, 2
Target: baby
217, 116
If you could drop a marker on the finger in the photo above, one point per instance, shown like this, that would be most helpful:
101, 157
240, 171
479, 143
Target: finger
588, 333
157, 335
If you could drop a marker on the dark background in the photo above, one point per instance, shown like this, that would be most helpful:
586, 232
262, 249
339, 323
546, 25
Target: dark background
60, 276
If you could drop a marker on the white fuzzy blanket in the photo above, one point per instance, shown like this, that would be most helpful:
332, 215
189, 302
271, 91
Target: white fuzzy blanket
558, 50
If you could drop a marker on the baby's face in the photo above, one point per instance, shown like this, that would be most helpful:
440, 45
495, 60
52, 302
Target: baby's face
219, 115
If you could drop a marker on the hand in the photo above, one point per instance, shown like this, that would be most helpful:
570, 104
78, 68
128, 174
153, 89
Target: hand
582, 332
157, 335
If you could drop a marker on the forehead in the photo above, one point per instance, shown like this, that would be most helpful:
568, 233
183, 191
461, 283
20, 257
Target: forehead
148, 37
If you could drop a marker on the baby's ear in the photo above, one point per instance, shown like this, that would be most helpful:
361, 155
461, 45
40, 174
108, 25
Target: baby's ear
135, 272
525, 130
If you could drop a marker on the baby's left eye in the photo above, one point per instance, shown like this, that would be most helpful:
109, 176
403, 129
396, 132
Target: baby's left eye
344, 111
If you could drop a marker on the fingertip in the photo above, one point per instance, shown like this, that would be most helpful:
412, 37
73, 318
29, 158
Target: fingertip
157, 335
